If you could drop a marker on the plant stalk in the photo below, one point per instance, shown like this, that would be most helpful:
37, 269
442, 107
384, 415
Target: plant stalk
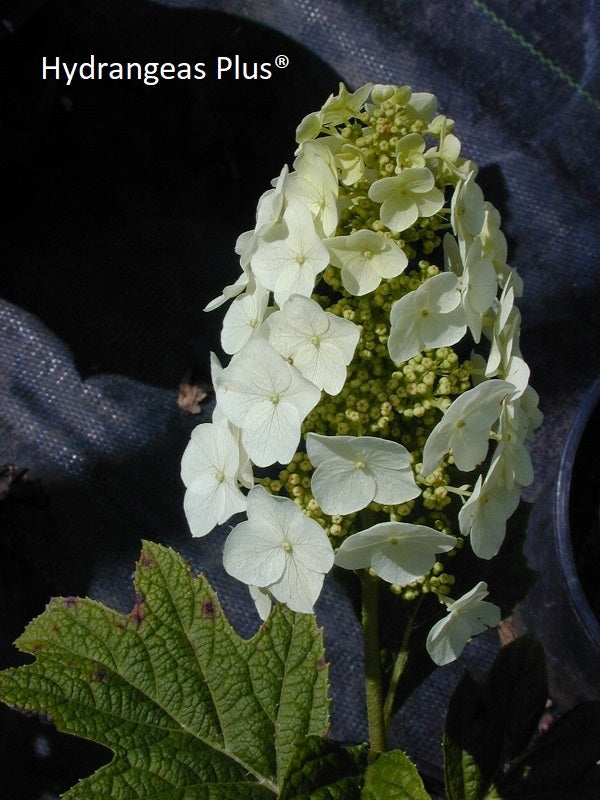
370, 626
399, 665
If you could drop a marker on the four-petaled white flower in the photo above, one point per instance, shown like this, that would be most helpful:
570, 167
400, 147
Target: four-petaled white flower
483, 517
478, 281
467, 617
210, 470
319, 344
365, 259
280, 549
466, 211
267, 398
243, 318
495, 248
409, 151
398, 552
351, 471
406, 197
512, 428
315, 185
465, 427
430, 316
351, 164
291, 264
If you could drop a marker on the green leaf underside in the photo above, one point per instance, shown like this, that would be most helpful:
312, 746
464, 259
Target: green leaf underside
393, 777
190, 709
462, 775
324, 770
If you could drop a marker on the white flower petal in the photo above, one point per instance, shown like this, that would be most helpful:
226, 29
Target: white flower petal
262, 601
271, 432
253, 553
340, 487
298, 588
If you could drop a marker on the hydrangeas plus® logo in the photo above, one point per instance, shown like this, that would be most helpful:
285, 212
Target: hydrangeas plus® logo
153, 72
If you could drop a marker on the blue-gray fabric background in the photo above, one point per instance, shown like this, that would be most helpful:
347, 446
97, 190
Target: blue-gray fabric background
121, 205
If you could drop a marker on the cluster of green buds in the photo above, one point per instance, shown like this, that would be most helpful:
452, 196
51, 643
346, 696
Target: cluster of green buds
375, 358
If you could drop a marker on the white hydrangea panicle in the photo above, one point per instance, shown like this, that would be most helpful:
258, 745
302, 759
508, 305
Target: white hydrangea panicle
397, 552
319, 344
351, 471
280, 549
346, 369
466, 617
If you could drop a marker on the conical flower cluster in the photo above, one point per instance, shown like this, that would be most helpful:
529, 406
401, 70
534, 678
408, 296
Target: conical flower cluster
374, 346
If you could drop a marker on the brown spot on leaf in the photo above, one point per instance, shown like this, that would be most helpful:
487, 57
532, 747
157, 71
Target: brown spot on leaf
100, 676
138, 612
209, 609
146, 561
321, 663
70, 602
38, 647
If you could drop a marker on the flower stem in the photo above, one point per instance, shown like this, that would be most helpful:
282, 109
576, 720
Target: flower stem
370, 626
399, 666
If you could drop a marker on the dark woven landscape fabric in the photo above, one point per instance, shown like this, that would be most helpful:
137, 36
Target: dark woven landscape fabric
121, 204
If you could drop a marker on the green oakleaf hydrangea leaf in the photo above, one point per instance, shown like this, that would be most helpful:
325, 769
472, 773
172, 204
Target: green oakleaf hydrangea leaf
393, 777
324, 770
190, 709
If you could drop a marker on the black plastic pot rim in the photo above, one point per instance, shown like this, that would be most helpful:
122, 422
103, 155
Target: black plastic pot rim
562, 515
